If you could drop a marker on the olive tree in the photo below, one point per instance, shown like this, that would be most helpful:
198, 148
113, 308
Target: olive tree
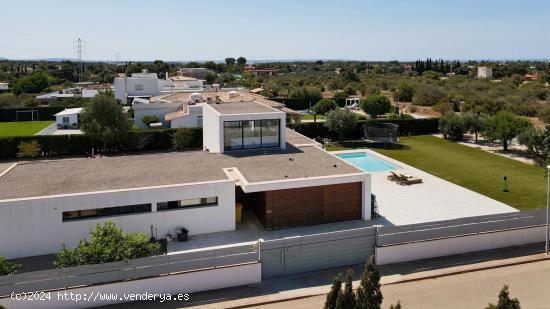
340, 121
375, 105
504, 127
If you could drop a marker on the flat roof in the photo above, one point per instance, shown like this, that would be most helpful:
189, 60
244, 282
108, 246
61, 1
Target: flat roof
65, 176
70, 111
242, 107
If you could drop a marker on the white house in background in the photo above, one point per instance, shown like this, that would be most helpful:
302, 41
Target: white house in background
146, 85
4, 86
68, 118
68, 93
184, 109
485, 72
281, 177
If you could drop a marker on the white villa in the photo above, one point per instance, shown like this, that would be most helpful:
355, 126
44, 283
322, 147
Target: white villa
146, 85
249, 158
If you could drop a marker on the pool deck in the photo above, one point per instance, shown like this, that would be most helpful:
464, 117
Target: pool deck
433, 200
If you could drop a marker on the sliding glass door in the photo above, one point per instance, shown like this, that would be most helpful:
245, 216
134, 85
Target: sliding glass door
248, 134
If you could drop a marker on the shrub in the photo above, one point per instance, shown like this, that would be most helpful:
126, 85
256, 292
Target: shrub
107, 244
504, 301
324, 106
182, 139
428, 95
8, 268
335, 290
451, 126
404, 92
28, 149
376, 104
369, 294
148, 119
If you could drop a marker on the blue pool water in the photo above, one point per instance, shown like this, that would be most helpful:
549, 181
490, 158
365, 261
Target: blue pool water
367, 162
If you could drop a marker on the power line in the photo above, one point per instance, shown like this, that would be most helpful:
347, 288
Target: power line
79, 49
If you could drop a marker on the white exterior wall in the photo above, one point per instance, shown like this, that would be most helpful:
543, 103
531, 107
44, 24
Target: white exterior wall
189, 121
120, 89
458, 245
213, 140
191, 282
211, 130
35, 227
4, 86
73, 119
153, 109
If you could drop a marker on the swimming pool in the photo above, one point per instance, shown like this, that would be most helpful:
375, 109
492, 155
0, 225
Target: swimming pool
367, 162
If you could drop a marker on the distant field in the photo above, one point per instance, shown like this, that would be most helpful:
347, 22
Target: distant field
22, 128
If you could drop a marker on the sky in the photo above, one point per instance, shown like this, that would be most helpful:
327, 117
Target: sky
185, 30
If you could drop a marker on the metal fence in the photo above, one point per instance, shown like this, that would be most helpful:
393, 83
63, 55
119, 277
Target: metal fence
389, 236
63, 278
300, 254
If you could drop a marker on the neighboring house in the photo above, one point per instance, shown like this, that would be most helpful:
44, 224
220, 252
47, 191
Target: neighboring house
68, 93
531, 76
138, 85
283, 178
485, 72
252, 70
184, 109
68, 118
146, 85
198, 73
4, 86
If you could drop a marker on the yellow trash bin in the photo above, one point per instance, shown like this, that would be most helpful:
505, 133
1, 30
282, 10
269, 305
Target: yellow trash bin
238, 213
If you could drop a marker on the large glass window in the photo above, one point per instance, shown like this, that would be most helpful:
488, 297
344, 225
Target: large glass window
194, 202
252, 132
105, 212
270, 133
248, 134
232, 134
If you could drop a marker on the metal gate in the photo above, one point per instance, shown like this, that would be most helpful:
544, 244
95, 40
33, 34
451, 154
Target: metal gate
300, 254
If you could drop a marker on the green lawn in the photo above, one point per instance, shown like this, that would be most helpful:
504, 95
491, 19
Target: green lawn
22, 128
472, 168
310, 117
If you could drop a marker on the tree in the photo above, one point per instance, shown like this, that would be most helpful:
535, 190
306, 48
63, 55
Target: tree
324, 106
340, 121
369, 294
451, 126
103, 120
182, 139
428, 95
505, 126
210, 78
241, 61
346, 299
538, 144
404, 92
376, 104
33, 83
473, 123
335, 291
504, 301
148, 119
107, 244
29, 149
8, 268
230, 61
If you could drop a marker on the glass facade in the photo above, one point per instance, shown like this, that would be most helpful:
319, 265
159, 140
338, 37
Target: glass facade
248, 134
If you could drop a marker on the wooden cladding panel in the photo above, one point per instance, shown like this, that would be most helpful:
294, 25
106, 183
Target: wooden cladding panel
312, 205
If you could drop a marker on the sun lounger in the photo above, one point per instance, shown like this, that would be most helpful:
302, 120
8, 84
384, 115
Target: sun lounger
394, 177
409, 181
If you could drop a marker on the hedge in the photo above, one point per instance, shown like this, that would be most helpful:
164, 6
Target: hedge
44, 113
406, 127
301, 103
81, 145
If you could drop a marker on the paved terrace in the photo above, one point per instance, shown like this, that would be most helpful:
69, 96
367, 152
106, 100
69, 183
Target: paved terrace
52, 177
433, 200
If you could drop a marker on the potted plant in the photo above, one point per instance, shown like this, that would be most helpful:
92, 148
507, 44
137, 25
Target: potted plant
182, 234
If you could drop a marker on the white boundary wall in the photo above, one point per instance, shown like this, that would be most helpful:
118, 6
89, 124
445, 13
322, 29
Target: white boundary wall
173, 284
457, 245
